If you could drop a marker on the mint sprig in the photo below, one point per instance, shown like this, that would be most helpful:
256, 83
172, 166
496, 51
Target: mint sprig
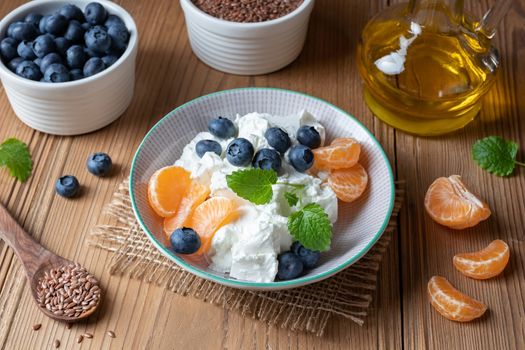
254, 185
291, 198
15, 156
311, 226
496, 155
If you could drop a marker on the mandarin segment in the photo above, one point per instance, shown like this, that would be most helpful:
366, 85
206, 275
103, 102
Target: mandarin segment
341, 153
450, 203
166, 188
451, 303
486, 263
348, 184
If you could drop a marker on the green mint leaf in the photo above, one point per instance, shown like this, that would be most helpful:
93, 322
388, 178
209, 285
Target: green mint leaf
14, 154
254, 185
311, 226
291, 198
496, 155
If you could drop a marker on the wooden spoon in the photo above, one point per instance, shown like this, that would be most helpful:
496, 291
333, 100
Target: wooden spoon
36, 260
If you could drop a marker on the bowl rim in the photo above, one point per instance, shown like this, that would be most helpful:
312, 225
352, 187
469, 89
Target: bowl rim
261, 285
245, 25
119, 10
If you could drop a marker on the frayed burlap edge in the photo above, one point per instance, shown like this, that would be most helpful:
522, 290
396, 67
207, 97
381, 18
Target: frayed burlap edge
347, 294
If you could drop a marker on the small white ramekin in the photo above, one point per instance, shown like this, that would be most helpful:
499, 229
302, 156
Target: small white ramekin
75, 107
247, 48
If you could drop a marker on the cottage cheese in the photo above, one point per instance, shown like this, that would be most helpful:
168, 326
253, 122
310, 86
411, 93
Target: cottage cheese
247, 248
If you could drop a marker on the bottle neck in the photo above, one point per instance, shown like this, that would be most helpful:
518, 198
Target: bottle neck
434, 12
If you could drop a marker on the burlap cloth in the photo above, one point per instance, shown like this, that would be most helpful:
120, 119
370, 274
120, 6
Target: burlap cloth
348, 294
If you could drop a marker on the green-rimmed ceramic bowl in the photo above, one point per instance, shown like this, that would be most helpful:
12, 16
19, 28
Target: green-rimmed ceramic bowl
360, 223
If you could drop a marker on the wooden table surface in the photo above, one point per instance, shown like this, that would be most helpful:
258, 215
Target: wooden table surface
168, 74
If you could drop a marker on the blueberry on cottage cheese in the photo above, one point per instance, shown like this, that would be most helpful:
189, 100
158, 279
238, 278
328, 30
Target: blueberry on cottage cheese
185, 241
74, 32
43, 45
29, 70
76, 56
93, 66
72, 12
113, 20
23, 31
56, 73
307, 135
308, 257
67, 186
48, 60
278, 139
267, 159
95, 13
14, 63
8, 48
240, 152
204, 146
62, 44
290, 266
109, 60
222, 128
33, 19
56, 24
97, 39
76, 74
99, 164
119, 35
301, 158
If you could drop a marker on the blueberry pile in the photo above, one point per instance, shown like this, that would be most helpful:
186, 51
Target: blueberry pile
66, 45
294, 262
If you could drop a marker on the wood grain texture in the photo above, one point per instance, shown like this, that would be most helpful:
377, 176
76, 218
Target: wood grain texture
168, 74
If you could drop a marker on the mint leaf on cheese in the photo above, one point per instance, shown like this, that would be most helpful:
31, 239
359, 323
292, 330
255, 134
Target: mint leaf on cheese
311, 227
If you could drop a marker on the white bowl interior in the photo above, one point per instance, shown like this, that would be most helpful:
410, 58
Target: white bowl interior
360, 223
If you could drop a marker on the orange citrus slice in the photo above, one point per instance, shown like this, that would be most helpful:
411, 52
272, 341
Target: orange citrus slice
342, 153
166, 188
451, 303
486, 263
197, 194
451, 204
348, 184
211, 215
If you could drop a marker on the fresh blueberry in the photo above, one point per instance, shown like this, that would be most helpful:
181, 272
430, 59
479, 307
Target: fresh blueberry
74, 32
301, 158
25, 50
86, 26
72, 12
204, 146
23, 31
93, 66
109, 60
38, 62
278, 139
76, 74
56, 73
308, 136
11, 27
29, 70
8, 48
310, 258
290, 266
76, 57
240, 152
62, 44
222, 128
97, 39
91, 53
48, 60
267, 159
99, 164
42, 24
34, 19
185, 241
43, 45
95, 13
14, 63
119, 36
56, 24
67, 186
114, 20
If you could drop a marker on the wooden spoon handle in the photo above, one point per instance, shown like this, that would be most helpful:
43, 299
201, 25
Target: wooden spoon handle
30, 252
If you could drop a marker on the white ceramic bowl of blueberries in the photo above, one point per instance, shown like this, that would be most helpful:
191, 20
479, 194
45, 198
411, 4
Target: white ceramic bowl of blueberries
68, 67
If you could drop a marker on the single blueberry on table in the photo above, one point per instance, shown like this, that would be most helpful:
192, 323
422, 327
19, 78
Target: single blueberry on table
290, 266
56, 24
113, 20
42, 24
95, 13
72, 12
93, 66
33, 19
99, 164
76, 74
14, 63
76, 57
310, 258
278, 139
267, 159
48, 60
62, 44
301, 158
97, 39
29, 70
222, 128
308, 136
185, 241
67, 186
109, 60
25, 50
43, 45
240, 152
8, 48
56, 73
23, 31
74, 32
204, 146
119, 35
